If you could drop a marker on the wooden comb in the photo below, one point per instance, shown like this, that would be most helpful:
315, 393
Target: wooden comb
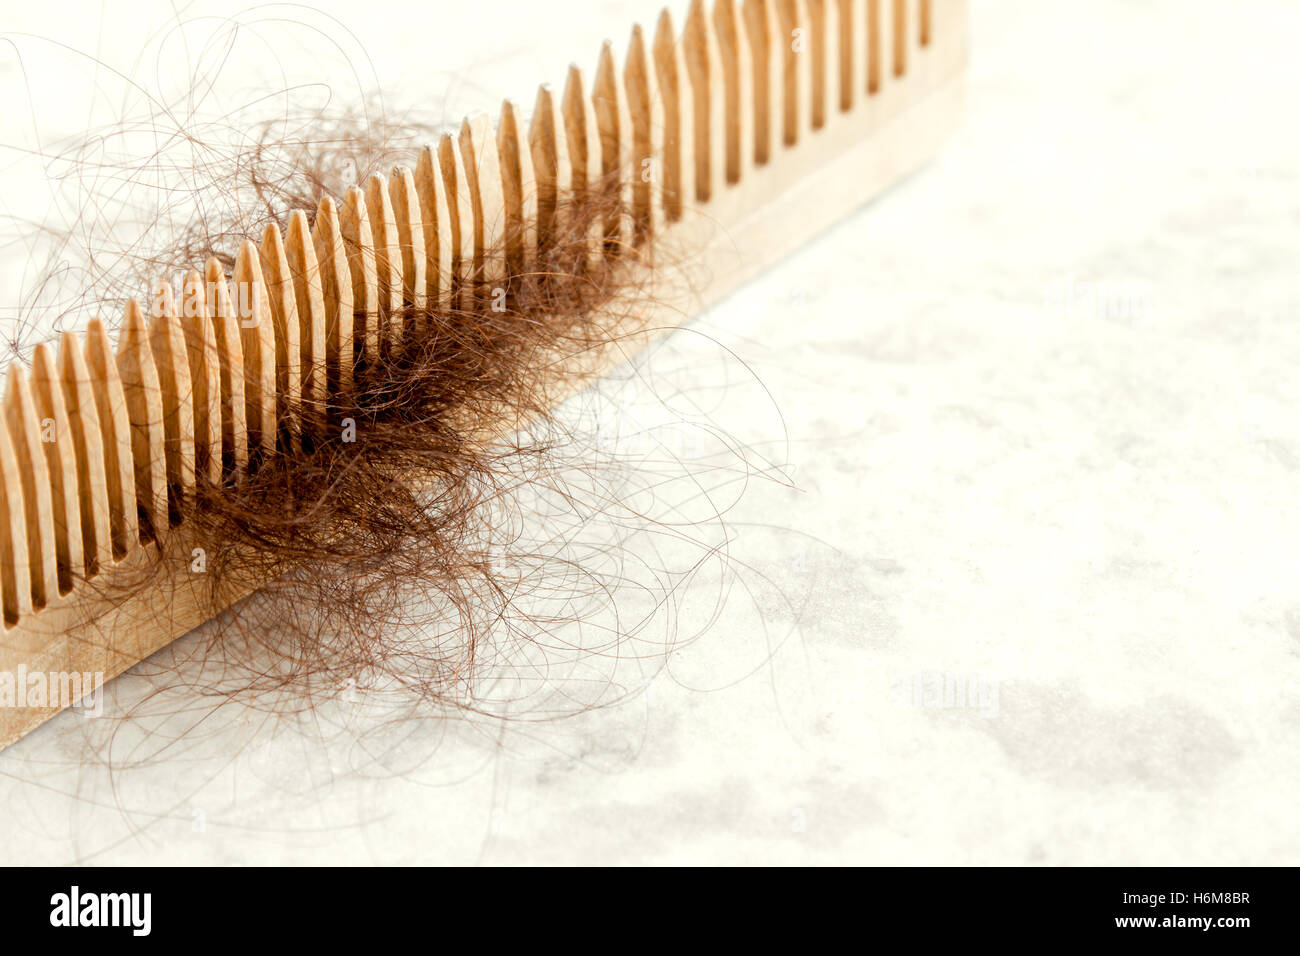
731, 142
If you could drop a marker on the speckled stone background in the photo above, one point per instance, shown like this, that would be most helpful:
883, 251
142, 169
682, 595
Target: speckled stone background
1030, 592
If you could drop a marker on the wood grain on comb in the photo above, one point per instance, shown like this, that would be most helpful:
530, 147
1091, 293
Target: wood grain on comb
730, 140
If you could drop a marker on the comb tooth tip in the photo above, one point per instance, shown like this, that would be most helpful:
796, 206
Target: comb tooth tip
134, 319
133, 329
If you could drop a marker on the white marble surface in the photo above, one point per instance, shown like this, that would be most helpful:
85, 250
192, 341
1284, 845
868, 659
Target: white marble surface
1038, 408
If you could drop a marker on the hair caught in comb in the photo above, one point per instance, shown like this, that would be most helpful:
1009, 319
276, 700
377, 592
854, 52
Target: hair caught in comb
338, 409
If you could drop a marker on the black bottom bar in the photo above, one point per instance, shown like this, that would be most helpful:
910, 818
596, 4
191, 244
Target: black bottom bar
1223, 907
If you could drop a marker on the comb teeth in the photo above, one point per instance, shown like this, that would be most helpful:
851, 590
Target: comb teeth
694, 130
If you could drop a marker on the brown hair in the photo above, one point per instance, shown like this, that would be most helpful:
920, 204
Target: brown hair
380, 531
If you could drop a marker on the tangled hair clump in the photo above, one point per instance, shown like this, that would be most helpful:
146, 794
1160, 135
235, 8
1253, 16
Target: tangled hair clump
401, 489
